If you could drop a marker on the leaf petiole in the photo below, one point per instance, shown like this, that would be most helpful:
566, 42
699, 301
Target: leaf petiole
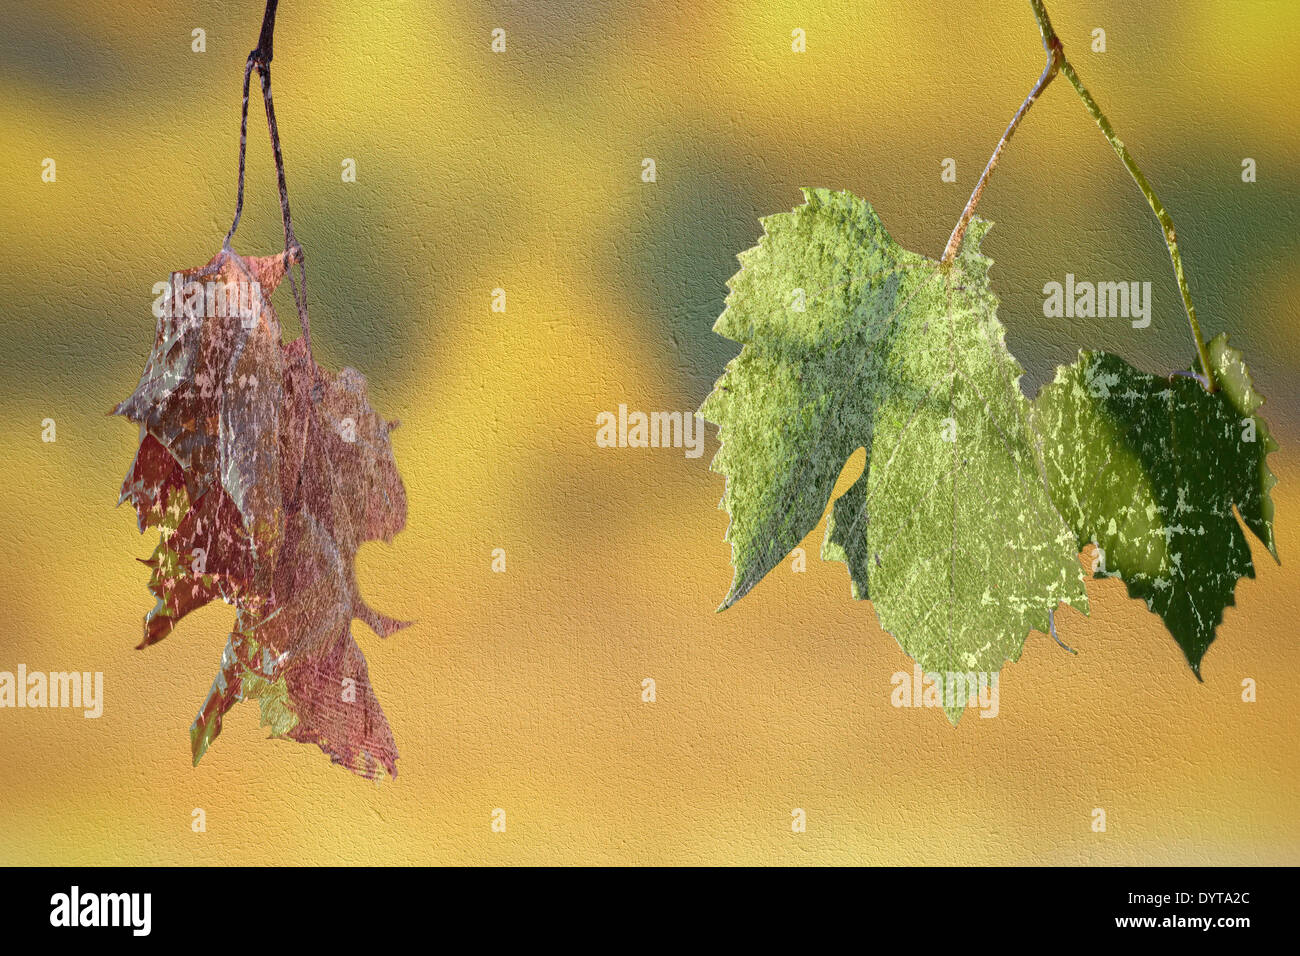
260, 59
1161, 214
1055, 57
1057, 62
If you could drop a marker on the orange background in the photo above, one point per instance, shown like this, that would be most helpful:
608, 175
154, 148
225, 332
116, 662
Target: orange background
521, 170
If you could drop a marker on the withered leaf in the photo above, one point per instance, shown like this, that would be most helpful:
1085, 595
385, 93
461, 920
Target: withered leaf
264, 473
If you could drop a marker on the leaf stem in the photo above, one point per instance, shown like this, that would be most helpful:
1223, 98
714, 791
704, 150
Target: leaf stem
1161, 214
1055, 58
292, 248
260, 59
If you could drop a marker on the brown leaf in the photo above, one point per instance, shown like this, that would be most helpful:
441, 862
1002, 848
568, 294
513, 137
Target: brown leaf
265, 474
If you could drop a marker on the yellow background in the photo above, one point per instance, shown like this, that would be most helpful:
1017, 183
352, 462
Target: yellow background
522, 170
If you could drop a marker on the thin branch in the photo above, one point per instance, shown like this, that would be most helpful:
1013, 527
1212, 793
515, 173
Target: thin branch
265, 38
1055, 58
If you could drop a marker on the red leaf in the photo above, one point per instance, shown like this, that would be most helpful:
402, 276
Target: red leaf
265, 474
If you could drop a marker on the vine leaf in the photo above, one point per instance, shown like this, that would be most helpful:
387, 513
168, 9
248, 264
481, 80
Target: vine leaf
1148, 469
264, 474
850, 341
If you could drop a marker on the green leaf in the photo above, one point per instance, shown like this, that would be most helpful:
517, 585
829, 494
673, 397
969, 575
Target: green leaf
1149, 469
850, 341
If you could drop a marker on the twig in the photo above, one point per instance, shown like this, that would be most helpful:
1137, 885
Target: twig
267, 36
1055, 57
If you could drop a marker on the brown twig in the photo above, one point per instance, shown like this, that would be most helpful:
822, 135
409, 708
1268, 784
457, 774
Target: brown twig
267, 36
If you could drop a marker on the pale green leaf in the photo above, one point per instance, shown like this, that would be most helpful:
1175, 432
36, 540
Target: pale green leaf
850, 341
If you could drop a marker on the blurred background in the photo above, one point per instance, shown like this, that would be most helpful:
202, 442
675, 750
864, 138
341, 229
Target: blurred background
522, 170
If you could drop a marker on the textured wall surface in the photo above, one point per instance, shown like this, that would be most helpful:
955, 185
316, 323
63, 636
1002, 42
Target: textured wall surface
522, 170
